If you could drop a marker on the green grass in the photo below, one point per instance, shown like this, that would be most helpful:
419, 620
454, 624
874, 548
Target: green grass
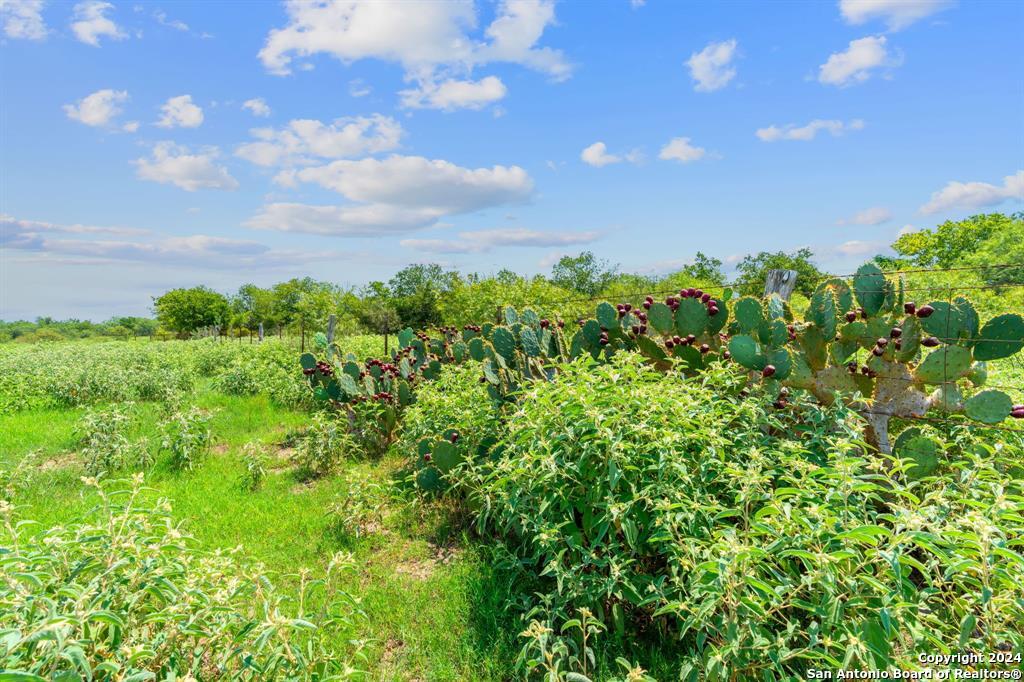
435, 608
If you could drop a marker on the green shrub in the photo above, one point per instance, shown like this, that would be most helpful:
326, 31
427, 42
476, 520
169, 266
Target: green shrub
325, 444
123, 595
105, 446
759, 543
255, 460
186, 436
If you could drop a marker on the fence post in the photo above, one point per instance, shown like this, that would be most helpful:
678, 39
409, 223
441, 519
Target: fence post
302, 333
261, 332
331, 321
780, 282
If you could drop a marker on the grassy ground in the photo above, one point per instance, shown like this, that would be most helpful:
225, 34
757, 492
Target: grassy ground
434, 606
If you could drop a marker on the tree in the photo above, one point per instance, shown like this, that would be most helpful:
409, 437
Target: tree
583, 273
952, 242
414, 293
185, 310
754, 269
705, 269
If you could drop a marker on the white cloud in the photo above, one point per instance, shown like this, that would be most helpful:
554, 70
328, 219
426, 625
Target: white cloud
257, 106
869, 216
392, 195
855, 64
486, 240
636, 4
431, 40
417, 182
173, 164
807, 132
197, 250
680, 149
130, 127
597, 155
358, 88
454, 94
163, 20
303, 141
906, 229
91, 23
98, 109
897, 14
23, 19
712, 68
857, 247
341, 221
976, 194
180, 112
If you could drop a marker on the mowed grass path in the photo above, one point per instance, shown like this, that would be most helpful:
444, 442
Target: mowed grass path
435, 608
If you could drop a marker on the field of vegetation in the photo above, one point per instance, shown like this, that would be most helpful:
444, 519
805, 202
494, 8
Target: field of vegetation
610, 478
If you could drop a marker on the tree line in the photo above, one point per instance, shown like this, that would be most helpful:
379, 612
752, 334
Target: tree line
425, 295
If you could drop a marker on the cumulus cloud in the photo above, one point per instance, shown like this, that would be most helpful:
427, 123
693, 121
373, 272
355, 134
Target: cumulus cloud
303, 141
855, 64
358, 88
173, 164
869, 216
342, 221
417, 182
431, 40
860, 248
98, 109
395, 194
679, 149
180, 112
454, 94
257, 106
897, 14
486, 240
91, 23
23, 19
976, 194
597, 155
712, 68
808, 132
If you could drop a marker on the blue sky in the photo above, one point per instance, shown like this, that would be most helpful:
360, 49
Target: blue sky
153, 145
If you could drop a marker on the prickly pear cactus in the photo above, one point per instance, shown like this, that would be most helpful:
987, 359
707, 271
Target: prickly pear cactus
861, 343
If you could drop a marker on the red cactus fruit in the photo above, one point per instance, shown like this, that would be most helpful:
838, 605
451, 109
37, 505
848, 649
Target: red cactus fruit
925, 311
895, 332
930, 342
851, 316
769, 370
909, 308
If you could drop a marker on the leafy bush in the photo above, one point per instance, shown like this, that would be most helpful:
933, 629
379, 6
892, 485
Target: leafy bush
124, 596
255, 459
325, 444
105, 444
680, 508
186, 436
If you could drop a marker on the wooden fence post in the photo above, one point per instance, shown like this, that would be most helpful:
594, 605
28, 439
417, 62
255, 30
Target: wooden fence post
781, 282
261, 332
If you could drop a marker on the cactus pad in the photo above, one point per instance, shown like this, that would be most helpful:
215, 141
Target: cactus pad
1001, 337
504, 343
528, 339
405, 338
691, 317
307, 360
948, 363
660, 317
988, 407
870, 286
749, 314
746, 351
922, 450
607, 316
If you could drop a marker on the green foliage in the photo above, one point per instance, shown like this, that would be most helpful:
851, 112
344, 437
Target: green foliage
255, 460
186, 437
585, 273
185, 310
125, 595
647, 498
105, 445
955, 242
325, 444
753, 270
